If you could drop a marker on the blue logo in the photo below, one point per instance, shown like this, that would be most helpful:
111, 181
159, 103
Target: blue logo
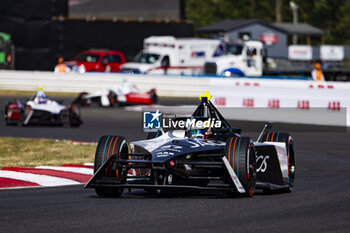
151, 121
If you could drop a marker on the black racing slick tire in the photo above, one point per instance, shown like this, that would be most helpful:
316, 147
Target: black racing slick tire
74, 115
106, 147
153, 96
240, 153
7, 121
288, 140
112, 98
81, 100
24, 114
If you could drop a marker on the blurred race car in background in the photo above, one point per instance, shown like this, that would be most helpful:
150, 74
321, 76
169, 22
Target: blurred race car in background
93, 61
125, 94
48, 113
195, 158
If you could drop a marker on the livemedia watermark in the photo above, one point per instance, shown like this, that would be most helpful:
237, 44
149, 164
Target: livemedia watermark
156, 120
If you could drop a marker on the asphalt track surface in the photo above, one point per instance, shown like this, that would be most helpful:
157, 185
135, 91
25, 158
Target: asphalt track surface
320, 201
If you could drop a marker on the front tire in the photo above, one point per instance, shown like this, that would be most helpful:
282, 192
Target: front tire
288, 140
24, 114
107, 146
240, 153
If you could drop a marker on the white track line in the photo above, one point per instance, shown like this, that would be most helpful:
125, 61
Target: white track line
89, 164
42, 180
87, 171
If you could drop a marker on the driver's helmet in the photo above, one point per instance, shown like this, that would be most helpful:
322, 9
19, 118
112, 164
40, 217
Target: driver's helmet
42, 100
201, 133
197, 133
41, 97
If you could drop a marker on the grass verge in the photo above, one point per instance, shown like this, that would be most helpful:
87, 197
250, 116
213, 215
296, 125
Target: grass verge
31, 93
25, 152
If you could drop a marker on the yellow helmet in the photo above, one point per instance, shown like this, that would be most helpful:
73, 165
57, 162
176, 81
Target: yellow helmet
40, 88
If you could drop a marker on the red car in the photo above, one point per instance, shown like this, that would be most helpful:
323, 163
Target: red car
93, 61
13, 112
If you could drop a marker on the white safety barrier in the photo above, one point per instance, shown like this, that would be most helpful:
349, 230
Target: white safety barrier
315, 116
227, 92
332, 97
90, 82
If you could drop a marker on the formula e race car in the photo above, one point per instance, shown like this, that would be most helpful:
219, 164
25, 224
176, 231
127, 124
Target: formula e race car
47, 113
197, 156
125, 94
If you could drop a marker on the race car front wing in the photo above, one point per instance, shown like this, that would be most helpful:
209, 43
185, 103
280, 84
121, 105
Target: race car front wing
158, 177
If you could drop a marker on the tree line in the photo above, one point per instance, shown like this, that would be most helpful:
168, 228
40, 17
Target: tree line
332, 16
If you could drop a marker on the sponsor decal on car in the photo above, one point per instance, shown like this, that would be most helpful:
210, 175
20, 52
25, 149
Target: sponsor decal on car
164, 154
200, 143
262, 163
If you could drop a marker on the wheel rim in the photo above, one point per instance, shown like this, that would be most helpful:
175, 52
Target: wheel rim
122, 171
251, 170
291, 167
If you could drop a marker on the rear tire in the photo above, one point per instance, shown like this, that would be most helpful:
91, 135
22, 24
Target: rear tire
153, 96
112, 97
240, 153
7, 121
288, 140
81, 100
107, 146
74, 116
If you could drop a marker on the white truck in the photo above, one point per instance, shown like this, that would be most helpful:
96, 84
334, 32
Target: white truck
170, 55
238, 59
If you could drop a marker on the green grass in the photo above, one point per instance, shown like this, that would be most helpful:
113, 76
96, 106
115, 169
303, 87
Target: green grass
31, 93
25, 152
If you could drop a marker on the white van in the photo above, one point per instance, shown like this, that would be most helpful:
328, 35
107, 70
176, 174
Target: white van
238, 59
170, 55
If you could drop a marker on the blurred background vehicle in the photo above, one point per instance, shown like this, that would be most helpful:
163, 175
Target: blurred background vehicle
93, 61
7, 51
238, 59
170, 55
125, 94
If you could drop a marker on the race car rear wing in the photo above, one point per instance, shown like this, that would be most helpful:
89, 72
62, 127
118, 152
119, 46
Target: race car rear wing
207, 109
